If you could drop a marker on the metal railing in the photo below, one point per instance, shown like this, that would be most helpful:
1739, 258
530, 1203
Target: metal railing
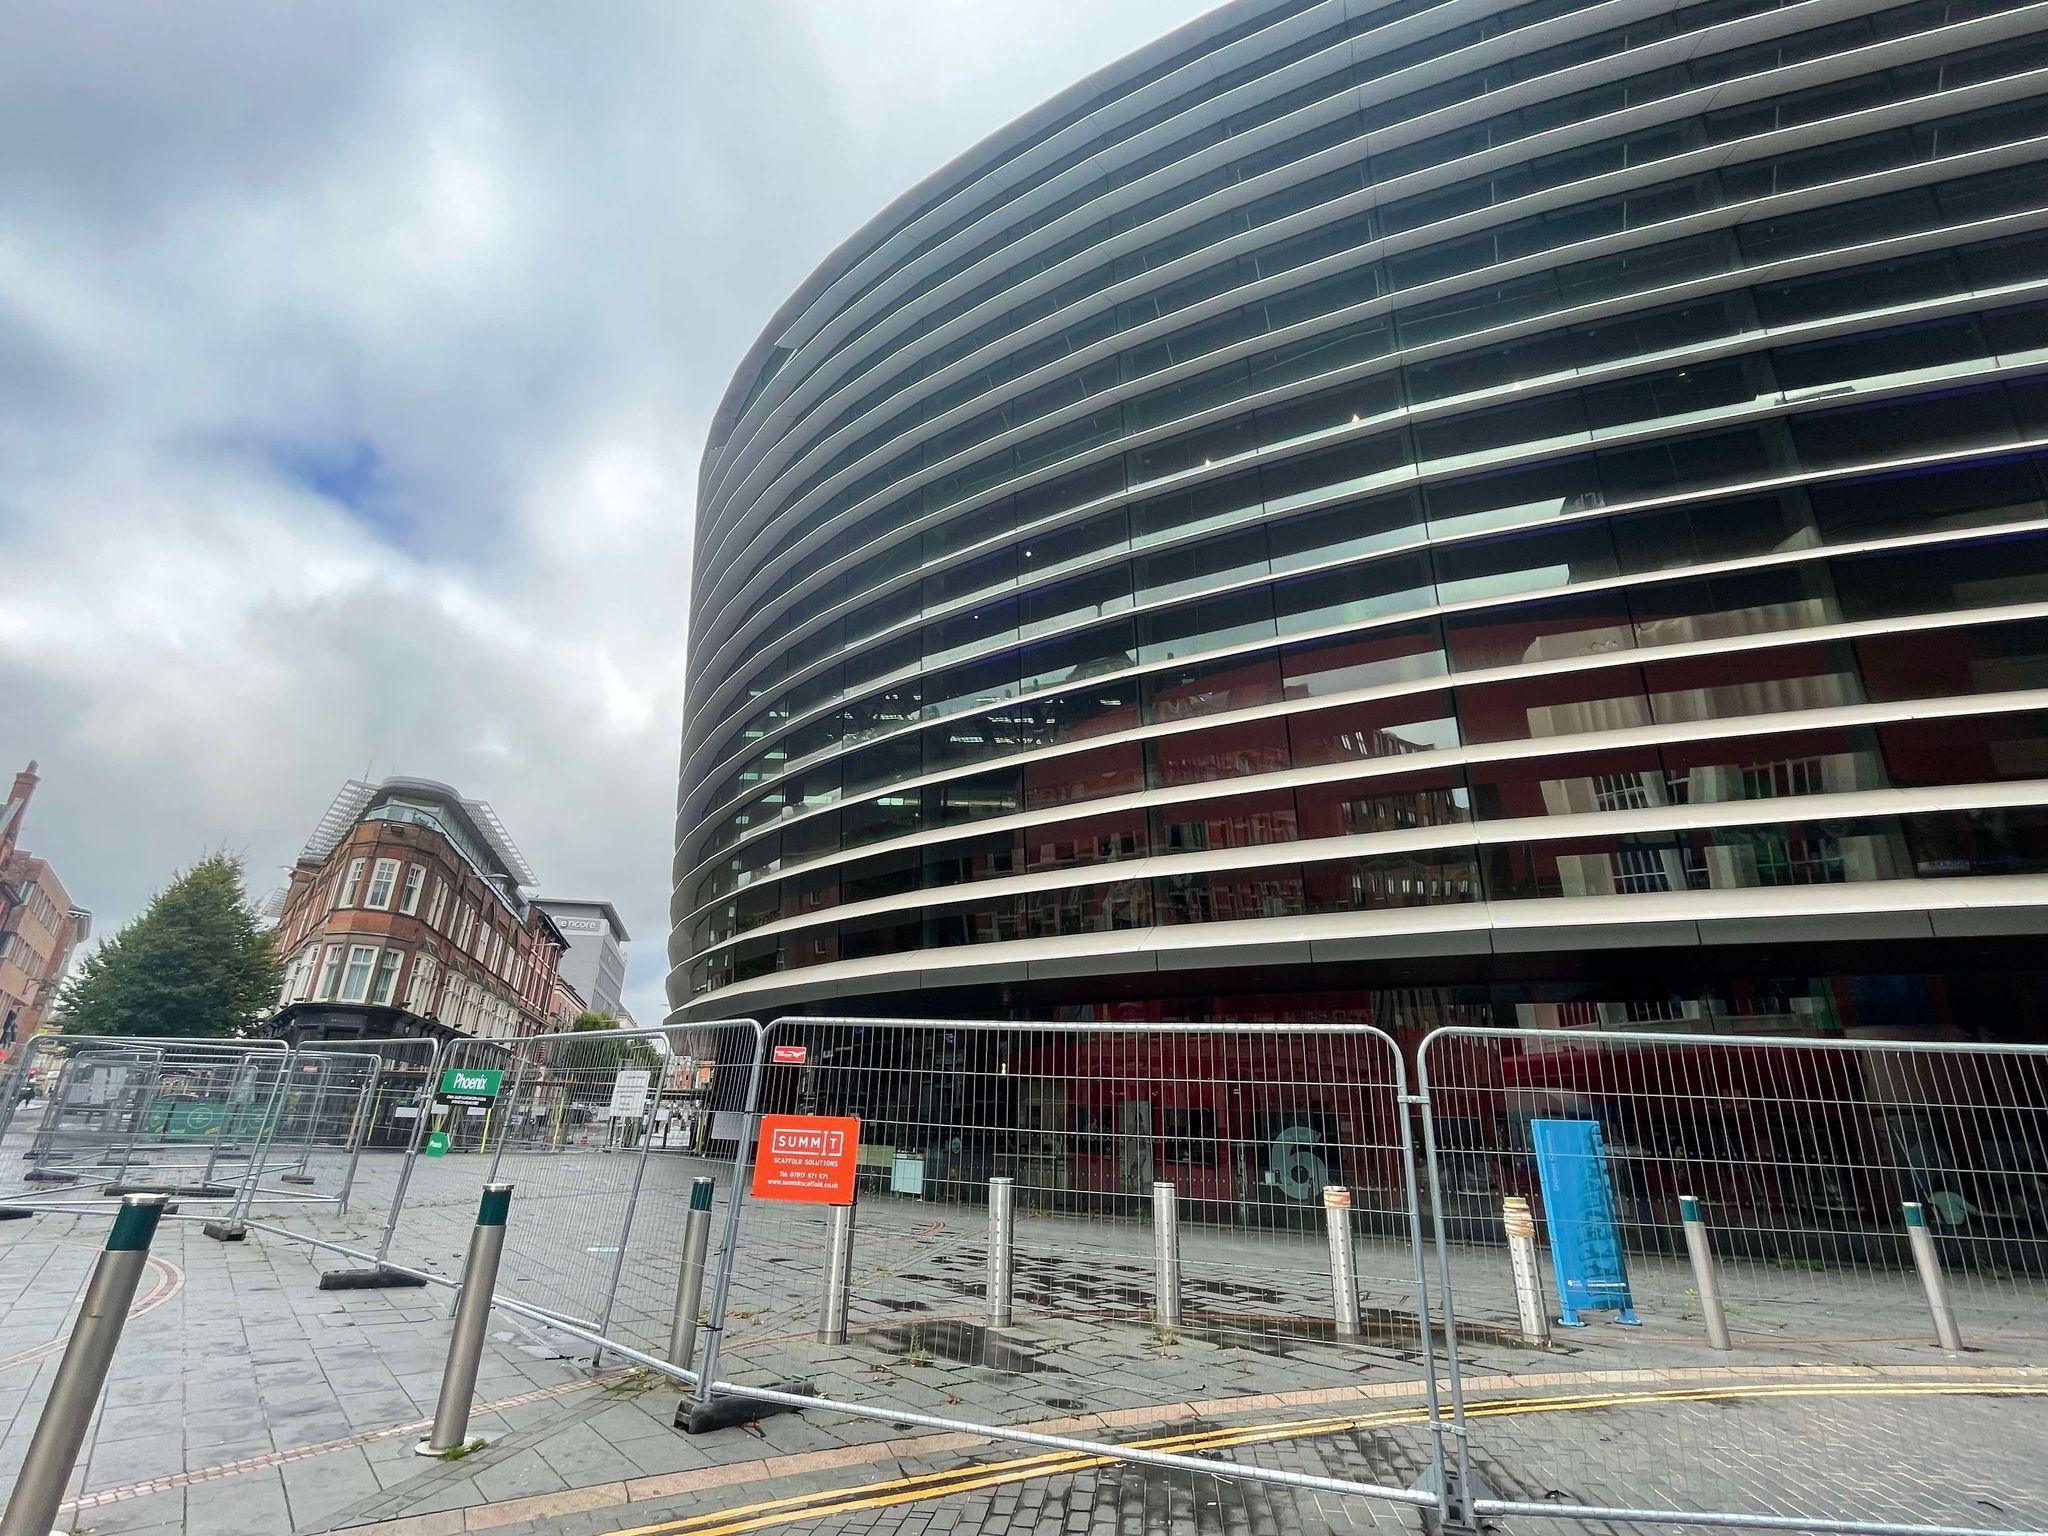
601, 1131
206, 1121
1023, 1188
1755, 1237
1842, 1206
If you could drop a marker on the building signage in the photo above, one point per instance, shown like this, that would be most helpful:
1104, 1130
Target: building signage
464, 1085
437, 1144
629, 1093
1585, 1229
792, 1055
808, 1158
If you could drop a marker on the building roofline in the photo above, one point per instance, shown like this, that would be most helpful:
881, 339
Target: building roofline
611, 912
355, 796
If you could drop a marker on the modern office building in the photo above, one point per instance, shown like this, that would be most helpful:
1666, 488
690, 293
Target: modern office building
1412, 511
595, 962
407, 915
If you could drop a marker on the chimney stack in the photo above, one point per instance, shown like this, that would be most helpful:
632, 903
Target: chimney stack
25, 783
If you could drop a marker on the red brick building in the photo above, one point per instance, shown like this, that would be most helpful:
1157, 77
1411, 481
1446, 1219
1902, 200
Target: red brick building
407, 914
39, 927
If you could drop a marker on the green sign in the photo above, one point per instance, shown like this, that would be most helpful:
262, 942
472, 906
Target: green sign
471, 1087
437, 1144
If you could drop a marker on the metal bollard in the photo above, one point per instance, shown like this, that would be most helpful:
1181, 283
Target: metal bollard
1932, 1280
838, 1276
1343, 1263
472, 1317
1704, 1277
682, 1336
1520, 1222
1002, 1206
67, 1413
1166, 1253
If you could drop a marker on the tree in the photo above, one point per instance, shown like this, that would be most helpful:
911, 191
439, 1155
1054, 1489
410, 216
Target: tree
588, 1058
196, 963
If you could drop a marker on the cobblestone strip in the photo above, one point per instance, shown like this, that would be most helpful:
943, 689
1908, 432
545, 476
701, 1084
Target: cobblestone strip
619, 1494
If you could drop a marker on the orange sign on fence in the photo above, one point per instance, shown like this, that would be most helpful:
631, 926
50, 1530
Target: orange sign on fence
806, 1157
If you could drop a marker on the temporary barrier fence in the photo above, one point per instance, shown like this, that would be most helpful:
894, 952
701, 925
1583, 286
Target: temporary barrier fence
353, 1118
693, 1131
1696, 1194
102, 1106
576, 1121
232, 1123
1113, 1188
1070, 1203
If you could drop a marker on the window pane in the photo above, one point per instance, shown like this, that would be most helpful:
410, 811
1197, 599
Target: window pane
1206, 624
1603, 699
1398, 654
1240, 821
1355, 529
1227, 896
1984, 575
1752, 682
1353, 594
1380, 728
1084, 776
1240, 682
1201, 566
1088, 840
1223, 751
1385, 803
1437, 878
1096, 595
1512, 496
1593, 625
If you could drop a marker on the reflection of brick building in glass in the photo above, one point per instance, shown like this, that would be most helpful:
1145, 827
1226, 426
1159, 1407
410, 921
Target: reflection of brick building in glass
1520, 518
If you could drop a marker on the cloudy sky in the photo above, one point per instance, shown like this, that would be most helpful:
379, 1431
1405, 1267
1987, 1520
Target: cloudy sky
355, 362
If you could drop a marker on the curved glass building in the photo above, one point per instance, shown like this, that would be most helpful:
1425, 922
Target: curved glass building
1411, 510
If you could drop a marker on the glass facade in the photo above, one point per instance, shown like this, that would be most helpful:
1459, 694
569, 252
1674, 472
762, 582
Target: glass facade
1397, 485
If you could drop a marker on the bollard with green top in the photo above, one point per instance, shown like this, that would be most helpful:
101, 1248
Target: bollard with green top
682, 1336
67, 1412
472, 1317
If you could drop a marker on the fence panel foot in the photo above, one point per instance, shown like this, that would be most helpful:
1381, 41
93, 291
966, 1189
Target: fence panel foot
1458, 1494
729, 1410
377, 1279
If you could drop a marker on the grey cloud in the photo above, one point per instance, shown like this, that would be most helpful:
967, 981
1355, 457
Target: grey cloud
511, 254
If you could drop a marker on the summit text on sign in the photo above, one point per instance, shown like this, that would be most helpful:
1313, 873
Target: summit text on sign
810, 1158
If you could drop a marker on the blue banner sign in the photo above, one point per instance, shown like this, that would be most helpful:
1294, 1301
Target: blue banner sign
1585, 1229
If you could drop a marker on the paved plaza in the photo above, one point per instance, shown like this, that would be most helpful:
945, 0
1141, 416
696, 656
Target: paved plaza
244, 1399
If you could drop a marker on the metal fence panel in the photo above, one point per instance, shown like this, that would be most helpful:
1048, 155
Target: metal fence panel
196, 1118
1085, 1215
352, 1121
598, 1132
1738, 1212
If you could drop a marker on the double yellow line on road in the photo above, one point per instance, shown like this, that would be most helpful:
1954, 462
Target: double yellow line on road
939, 1485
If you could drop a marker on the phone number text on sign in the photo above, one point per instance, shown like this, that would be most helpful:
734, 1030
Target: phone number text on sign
810, 1158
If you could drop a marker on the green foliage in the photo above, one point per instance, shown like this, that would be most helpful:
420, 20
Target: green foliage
196, 963
593, 1061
